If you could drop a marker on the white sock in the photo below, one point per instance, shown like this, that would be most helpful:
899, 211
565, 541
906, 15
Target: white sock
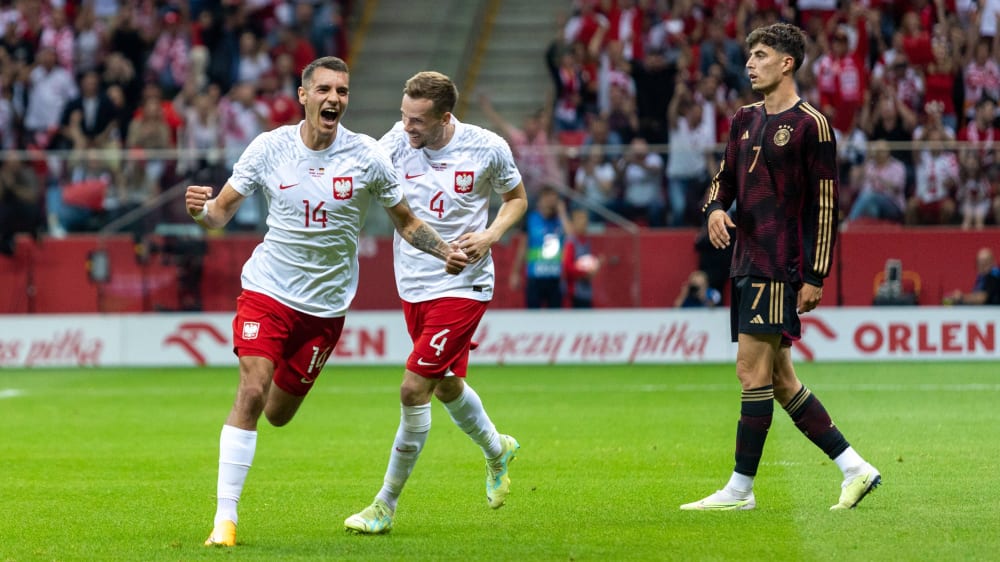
236, 449
849, 461
469, 415
414, 424
740, 484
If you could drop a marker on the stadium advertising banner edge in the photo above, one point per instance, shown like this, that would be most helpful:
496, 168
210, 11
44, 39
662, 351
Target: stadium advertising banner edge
622, 336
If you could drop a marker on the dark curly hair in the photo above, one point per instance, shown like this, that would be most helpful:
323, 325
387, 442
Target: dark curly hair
782, 37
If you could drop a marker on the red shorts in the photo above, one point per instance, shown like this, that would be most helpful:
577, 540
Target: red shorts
441, 331
297, 343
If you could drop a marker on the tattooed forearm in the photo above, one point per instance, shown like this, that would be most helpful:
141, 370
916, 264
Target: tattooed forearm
425, 238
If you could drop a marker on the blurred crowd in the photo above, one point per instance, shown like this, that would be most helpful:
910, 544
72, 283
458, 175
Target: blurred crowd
138, 80
644, 91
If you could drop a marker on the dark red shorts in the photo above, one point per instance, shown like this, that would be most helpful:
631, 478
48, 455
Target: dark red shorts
441, 331
297, 343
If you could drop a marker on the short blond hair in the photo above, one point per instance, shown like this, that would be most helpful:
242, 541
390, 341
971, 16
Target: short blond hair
433, 86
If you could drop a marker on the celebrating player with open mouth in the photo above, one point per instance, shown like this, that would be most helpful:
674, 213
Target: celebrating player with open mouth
319, 179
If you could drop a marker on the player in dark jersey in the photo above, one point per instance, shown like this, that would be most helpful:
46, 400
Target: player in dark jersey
780, 170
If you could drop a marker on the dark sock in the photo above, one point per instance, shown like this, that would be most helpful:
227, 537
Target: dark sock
812, 420
756, 411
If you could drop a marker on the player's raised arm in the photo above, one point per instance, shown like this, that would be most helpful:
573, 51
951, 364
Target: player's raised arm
422, 237
212, 213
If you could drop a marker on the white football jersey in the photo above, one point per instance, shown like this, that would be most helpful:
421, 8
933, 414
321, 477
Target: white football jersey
317, 202
450, 190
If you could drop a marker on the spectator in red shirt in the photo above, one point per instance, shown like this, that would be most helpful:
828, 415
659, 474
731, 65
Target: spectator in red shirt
625, 19
587, 27
580, 265
916, 40
167, 111
282, 108
940, 82
841, 83
299, 47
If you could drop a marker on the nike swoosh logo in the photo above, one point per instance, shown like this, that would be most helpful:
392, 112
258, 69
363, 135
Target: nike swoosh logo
420, 361
410, 177
283, 186
306, 381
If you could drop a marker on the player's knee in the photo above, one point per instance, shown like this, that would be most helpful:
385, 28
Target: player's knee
783, 390
250, 398
281, 407
278, 419
449, 389
746, 369
416, 391
413, 397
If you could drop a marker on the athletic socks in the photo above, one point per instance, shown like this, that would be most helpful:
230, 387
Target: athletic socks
469, 415
814, 422
739, 485
414, 424
756, 412
236, 450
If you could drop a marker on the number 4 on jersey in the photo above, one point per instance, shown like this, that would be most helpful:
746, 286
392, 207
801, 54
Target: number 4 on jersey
437, 204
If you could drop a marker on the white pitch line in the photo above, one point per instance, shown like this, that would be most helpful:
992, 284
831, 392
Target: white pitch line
381, 389
735, 387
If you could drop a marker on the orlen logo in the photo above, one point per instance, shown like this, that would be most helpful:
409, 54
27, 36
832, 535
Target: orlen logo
926, 338
810, 323
188, 334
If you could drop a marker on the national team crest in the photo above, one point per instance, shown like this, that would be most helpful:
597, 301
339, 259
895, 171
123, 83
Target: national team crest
343, 188
464, 181
783, 135
250, 330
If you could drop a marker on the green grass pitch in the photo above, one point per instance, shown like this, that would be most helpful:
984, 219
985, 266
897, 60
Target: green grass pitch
120, 464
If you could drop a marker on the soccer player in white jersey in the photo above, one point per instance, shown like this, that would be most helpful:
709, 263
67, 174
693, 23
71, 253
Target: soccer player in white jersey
448, 171
319, 179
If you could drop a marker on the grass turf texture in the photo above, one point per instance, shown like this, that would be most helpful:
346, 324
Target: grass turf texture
116, 464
